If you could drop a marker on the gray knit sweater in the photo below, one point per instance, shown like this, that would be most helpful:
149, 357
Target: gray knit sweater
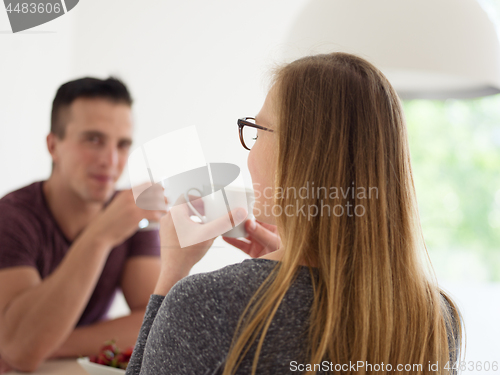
190, 330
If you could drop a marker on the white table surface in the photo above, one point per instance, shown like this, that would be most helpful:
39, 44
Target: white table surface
57, 367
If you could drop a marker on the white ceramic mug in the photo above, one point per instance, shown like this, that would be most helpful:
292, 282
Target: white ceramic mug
216, 206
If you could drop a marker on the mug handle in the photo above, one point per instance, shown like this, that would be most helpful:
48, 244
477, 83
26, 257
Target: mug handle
186, 196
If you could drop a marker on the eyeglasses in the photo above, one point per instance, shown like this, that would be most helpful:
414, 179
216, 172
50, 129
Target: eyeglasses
248, 131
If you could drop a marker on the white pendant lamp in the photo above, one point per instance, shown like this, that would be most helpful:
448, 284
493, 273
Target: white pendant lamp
432, 49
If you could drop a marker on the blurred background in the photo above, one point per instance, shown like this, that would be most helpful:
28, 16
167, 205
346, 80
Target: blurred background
206, 64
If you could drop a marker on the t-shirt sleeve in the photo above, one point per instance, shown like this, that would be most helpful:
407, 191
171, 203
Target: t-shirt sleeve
145, 242
17, 238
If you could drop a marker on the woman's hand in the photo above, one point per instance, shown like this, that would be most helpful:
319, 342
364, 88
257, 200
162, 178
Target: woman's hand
177, 261
262, 239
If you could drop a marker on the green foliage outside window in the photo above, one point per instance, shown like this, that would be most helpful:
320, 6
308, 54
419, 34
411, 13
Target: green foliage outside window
455, 150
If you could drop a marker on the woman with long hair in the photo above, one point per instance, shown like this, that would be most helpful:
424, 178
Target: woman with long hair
342, 283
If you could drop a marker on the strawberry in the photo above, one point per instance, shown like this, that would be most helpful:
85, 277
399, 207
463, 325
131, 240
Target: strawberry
105, 357
128, 351
111, 355
111, 346
101, 360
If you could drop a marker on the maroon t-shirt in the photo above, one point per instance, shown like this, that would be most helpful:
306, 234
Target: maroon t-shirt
30, 236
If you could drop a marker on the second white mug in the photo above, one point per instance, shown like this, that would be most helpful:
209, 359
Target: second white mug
221, 202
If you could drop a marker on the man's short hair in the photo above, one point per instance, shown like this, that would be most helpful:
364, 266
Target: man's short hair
111, 89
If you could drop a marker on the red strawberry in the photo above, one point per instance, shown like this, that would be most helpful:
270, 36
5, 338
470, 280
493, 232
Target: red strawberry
105, 357
128, 351
101, 360
110, 345
111, 355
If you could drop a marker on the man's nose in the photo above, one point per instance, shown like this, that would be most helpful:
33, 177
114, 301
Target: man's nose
109, 156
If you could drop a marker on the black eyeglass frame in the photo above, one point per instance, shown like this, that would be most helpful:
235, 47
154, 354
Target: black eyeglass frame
242, 122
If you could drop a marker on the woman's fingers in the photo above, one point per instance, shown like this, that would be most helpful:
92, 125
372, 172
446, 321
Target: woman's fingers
264, 236
189, 232
242, 245
197, 203
220, 225
262, 240
253, 248
194, 200
270, 227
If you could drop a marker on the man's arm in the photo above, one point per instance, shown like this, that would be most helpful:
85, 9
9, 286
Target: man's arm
139, 278
87, 340
37, 316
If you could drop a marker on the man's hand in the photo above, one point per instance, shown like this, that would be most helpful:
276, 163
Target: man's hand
120, 219
37, 316
262, 239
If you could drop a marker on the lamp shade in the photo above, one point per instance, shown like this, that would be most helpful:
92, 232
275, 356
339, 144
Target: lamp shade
432, 49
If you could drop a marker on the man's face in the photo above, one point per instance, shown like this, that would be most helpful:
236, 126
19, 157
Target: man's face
91, 156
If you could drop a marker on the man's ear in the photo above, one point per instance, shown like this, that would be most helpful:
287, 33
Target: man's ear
52, 140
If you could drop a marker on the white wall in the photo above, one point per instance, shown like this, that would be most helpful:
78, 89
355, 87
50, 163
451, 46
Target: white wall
32, 65
186, 63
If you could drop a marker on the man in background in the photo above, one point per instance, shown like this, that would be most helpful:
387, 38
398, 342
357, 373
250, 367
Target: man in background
68, 243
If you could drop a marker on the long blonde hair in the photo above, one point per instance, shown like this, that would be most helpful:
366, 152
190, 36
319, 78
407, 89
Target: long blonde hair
341, 125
